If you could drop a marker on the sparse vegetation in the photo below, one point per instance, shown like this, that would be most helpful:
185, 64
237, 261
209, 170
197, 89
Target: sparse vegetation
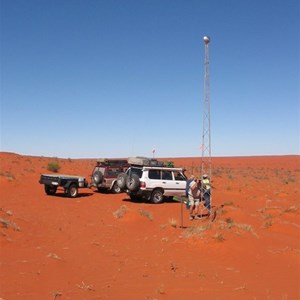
120, 212
53, 166
8, 175
86, 287
54, 256
9, 224
169, 164
196, 231
146, 214
56, 294
267, 224
219, 237
292, 209
173, 222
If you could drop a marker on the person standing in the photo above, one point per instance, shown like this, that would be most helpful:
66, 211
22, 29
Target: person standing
206, 190
194, 197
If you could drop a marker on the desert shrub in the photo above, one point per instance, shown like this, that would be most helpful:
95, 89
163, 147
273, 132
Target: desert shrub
169, 164
53, 166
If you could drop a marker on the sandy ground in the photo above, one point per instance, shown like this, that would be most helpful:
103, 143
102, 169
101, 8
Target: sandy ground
104, 246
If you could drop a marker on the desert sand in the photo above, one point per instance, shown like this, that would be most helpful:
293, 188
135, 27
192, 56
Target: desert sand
104, 246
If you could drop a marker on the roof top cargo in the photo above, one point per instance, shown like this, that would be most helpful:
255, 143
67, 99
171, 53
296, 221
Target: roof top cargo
111, 162
145, 161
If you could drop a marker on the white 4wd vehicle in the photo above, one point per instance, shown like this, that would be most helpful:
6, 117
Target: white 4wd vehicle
152, 183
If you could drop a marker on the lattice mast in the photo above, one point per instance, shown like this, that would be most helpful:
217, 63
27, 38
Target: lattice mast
206, 167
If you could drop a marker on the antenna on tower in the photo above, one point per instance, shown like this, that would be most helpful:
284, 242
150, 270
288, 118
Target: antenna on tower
206, 136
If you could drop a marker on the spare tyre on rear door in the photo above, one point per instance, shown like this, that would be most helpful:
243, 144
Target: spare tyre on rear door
98, 177
121, 180
133, 182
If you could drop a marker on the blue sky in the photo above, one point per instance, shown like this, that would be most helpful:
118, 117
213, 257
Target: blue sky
117, 78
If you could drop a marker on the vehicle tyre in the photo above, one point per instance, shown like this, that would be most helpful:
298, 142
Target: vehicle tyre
98, 177
121, 181
72, 191
50, 189
157, 196
115, 188
133, 183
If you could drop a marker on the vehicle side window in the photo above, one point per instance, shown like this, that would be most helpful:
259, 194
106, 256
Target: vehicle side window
154, 174
113, 172
167, 175
179, 176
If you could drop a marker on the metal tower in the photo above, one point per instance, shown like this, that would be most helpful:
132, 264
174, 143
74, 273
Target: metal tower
206, 136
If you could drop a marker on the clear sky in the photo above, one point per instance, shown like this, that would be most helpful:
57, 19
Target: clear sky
117, 78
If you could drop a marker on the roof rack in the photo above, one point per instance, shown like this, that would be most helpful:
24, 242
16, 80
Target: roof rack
145, 161
112, 162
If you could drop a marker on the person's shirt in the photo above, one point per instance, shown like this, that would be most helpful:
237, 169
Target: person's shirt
187, 187
193, 188
206, 184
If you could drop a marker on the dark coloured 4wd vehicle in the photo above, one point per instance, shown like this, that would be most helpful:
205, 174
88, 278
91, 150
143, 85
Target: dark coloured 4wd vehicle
105, 173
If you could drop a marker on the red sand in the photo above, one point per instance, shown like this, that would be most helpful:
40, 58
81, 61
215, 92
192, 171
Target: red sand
55, 247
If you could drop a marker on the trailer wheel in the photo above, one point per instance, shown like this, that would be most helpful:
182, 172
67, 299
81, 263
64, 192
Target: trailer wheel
50, 189
72, 191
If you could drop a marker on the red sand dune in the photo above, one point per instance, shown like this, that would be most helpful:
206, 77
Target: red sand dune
53, 247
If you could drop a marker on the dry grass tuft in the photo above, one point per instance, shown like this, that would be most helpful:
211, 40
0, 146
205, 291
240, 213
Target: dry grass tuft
173, 222
229, 223
196, 231
120, 212
8, 224
56, 294
54, 256
146, 214
86, 287
8, 175
219, 237
247, 227
291, 209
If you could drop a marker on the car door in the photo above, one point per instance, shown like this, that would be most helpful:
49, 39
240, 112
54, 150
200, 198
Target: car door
179, 183
168, 183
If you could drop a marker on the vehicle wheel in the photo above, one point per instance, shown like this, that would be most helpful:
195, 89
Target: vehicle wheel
116, 189
50, 189
121, 180
133, 182
72, 191
157, 196
98, 177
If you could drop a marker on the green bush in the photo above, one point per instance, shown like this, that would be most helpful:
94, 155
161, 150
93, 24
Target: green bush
53, 166
169, 164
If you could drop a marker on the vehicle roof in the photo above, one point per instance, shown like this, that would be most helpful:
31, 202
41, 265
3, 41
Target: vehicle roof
158, 168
